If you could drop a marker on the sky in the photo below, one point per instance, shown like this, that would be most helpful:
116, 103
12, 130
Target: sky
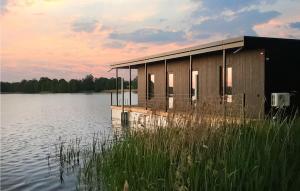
70, 39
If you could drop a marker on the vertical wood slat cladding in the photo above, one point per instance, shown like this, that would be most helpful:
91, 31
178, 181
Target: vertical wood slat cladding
158, 101
208, 67
180, 69
248, 78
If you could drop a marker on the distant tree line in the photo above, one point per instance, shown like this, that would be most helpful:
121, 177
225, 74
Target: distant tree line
44, 84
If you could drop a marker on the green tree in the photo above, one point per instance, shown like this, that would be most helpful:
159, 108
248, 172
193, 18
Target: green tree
74, 86
45, 84
101, 84
14, 86
5, 87
54, 86
22, 86
63, 86
134, 83
31, 86
88, 83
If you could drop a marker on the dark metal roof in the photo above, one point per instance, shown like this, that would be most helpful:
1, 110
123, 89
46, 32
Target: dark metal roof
200, 49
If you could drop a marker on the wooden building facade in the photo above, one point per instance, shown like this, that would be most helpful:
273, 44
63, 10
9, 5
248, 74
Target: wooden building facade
237, 75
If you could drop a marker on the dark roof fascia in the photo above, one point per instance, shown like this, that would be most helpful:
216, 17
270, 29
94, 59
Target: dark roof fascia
267, 42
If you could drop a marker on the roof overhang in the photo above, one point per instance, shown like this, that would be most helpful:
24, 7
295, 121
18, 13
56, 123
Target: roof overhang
200, 49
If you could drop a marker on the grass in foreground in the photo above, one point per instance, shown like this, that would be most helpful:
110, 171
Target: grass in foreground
262, 155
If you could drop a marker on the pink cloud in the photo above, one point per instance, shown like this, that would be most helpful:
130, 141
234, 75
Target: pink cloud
38, 39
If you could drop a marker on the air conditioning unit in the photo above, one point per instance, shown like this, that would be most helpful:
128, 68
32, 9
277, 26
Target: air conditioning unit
280, 100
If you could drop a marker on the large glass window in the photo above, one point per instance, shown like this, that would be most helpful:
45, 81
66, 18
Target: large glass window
229, 84
171, 84
151, 81
195, 88
170, 90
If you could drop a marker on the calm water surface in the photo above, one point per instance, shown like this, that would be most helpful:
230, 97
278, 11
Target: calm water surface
31, 124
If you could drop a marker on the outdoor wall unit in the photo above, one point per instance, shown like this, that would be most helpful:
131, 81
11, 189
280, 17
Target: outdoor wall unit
280, 100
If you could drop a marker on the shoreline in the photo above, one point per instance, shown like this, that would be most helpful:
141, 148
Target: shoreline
87, 92
114, 91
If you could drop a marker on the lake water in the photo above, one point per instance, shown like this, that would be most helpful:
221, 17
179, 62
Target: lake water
31, 124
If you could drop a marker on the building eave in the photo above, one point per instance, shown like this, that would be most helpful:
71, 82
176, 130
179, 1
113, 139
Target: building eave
199, 49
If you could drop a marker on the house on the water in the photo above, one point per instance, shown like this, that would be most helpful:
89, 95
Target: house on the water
235, 74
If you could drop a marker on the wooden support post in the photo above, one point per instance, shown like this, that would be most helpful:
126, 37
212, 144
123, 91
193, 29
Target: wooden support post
122, 89
117, 92
244, 106
166, 86
146, 83
124, 115
224, 83
129, 86
190, 80
111, 98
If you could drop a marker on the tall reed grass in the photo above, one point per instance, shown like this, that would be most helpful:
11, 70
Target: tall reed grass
256, 155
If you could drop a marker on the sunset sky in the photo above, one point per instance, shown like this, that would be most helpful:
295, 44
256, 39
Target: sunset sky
69, 39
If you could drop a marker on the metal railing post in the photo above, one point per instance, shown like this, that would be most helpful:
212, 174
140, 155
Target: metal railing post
190, 81
111, 98
146, 83
224, 83
130, 86
244, 105
117, 92
166, 86
122, 89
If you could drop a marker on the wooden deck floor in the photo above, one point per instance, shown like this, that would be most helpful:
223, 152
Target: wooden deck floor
142, 110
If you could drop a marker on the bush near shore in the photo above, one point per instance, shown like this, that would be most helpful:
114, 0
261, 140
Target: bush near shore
259, 155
